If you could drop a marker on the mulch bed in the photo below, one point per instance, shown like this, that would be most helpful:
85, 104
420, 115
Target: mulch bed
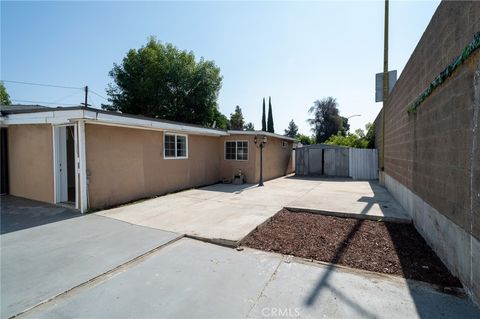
384, 247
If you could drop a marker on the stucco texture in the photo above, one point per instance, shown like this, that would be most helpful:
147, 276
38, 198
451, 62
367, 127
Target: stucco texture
30, 159
125, 164
276, 159
228, 168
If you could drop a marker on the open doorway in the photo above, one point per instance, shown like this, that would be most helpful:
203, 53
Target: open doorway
65, 172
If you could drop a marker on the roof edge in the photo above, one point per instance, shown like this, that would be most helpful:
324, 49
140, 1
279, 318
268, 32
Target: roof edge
92, 114
238, 132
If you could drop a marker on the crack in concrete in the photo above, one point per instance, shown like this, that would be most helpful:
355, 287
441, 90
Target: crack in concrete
265, 286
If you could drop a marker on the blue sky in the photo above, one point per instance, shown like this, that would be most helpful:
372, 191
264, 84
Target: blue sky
295, 52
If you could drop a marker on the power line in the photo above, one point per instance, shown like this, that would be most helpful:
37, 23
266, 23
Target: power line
66, 97
92, 103
98, 95
85, 89
42, 102
42, 84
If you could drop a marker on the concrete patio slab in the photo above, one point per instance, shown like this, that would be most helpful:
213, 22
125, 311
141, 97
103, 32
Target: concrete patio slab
226, 213
42, 260
355, 199
193, 279
221, 213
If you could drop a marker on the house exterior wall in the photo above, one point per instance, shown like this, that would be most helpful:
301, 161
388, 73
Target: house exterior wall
125, 164
276, 159
432, 157
30, 159
228, 168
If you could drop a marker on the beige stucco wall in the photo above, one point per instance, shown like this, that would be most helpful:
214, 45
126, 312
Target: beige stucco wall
30, 160
276, 159
124, 164
228, 168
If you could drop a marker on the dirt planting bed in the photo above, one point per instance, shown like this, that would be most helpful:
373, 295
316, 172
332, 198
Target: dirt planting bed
390, 248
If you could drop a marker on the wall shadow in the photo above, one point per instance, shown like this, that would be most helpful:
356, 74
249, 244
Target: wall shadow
228, 188
18, 213
413, 254
321, 178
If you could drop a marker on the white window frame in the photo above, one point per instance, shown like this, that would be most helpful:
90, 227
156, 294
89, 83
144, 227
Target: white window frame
236, 153
284, 144
175, 157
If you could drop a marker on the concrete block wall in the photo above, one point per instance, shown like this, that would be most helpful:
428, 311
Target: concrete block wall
432, 157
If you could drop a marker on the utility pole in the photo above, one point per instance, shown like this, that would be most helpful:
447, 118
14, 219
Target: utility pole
385, 86
86, 96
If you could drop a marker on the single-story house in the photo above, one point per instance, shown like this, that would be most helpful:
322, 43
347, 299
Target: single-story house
94, 159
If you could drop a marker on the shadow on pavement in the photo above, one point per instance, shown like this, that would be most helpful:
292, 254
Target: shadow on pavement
423, 299
19, 213
228, 188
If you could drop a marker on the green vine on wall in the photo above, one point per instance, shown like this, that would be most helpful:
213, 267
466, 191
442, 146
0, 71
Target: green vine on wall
466, 53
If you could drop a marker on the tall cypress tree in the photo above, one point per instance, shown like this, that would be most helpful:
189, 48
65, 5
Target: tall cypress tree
264, 121
270, 117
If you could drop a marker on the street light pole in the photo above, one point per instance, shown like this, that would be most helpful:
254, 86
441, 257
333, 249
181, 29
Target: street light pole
261, 143
260, 183
353, 116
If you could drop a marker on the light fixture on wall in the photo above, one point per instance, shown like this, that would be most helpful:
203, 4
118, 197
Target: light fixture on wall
260, 141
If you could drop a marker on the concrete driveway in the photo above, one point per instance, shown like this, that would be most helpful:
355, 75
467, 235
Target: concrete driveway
48, 249
193, 279
56, 263
227, 213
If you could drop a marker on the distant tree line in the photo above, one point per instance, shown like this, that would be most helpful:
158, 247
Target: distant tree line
161, 81
329, 127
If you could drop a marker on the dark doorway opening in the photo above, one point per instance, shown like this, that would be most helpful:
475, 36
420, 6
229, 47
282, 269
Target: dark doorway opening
4, 160
71, 163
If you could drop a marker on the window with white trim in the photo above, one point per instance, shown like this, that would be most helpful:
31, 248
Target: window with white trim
284, 144
236, 150
175, 146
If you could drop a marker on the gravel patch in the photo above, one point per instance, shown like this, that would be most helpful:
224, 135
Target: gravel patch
384, 247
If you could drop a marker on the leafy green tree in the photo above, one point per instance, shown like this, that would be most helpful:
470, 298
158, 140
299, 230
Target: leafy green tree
305, 140
359, 139
370, 137
350, 140
270, 117
220, 120
236, 119
4, 97
292, 129
345, 126
249, 127
360, 133
326, 121
161, 81
264, 121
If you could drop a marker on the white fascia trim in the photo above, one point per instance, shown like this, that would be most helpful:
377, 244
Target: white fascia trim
47, 117
120, 120
68, 116
261, 133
